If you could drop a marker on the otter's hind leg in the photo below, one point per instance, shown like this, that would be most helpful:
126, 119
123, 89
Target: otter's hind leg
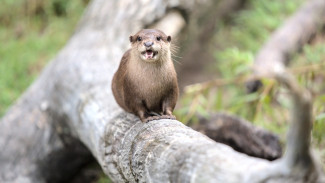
168, 105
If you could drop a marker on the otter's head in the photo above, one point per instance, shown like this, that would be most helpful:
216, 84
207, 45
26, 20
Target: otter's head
150, 45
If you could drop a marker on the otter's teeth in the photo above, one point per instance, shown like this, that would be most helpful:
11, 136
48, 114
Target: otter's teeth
149, 54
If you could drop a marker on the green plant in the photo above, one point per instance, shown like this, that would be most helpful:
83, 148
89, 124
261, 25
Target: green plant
31, 36
238, 42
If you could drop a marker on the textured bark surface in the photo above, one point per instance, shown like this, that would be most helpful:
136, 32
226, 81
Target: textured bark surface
36, 145
72, 99
241, 135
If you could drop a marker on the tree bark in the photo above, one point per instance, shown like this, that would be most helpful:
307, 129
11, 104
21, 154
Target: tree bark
72, 99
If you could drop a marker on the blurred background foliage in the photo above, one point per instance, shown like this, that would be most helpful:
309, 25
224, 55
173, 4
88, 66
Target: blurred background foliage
33, 31
236, 43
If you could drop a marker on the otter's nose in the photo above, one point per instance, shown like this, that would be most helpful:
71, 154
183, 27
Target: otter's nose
148, 44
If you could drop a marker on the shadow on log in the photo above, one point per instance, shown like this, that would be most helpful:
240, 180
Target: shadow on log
241, 135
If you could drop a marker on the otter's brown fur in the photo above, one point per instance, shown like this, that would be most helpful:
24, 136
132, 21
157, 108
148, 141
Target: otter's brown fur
145, 83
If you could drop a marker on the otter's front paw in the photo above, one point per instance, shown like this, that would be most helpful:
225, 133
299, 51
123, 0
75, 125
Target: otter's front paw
167, 117
151, 118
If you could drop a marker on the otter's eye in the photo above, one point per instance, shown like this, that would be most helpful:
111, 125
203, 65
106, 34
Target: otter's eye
139, 39
158, 38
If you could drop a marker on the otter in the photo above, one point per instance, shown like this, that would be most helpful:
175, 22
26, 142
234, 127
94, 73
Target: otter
145, 83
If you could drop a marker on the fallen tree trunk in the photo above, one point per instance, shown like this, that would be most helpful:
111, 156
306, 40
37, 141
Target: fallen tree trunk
72, 99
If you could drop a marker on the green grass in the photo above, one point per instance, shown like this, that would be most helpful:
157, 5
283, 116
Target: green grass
29, 40
238, 43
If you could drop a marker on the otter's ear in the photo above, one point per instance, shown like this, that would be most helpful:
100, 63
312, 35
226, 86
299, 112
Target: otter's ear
169, 39
131, 39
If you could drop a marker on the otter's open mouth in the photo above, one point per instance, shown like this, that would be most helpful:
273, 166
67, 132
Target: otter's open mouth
149, 54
